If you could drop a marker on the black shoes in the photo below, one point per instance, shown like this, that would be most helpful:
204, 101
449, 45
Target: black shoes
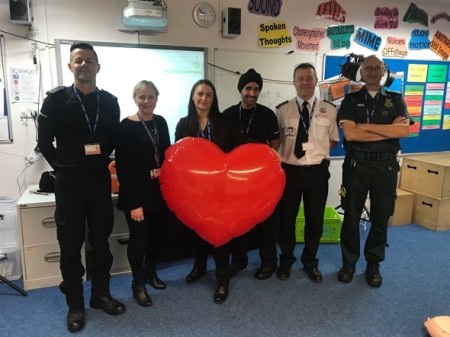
373, 276
283, 273
314, 274
345, 274
264, 273
221, 294
75, 320
141, 295
156, 282
107, 304
235, 267
195, 274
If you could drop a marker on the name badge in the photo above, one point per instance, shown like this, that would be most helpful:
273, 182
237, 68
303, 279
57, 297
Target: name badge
92, 149
308, 146
154, 174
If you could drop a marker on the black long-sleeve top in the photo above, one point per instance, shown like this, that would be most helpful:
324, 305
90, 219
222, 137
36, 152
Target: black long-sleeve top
62, 119
135, 158
222, 133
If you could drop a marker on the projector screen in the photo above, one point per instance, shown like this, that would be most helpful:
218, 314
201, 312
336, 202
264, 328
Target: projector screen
173, 70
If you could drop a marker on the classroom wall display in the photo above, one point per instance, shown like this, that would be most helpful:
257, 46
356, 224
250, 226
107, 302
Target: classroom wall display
425, 85
276, 70
173, 69
5, 118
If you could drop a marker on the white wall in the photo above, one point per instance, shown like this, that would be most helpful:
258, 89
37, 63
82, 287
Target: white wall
96, 20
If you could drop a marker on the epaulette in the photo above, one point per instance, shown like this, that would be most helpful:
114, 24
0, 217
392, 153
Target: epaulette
393, 93
55, 90
281, 104
107, 93
354, 93
329, 102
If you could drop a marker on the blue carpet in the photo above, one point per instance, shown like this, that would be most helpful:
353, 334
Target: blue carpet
416, 285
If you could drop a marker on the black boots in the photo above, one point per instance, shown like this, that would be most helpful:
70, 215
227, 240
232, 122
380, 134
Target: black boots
140, 294
195, 274
153, 279
75, 320
221, 293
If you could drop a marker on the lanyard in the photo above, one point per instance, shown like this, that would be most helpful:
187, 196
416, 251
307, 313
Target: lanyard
310, 116
249, 122
154, 138
370, 113
85, 112
208, 127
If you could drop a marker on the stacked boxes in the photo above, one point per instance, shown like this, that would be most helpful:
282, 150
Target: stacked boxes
331, 226
10, 262
428, 177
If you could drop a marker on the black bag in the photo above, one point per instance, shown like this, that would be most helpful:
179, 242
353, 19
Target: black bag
47, 182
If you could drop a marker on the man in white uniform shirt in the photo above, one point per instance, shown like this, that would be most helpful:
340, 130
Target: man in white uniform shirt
308, 132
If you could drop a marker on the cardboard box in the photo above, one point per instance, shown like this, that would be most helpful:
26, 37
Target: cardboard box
403, 208
431, 213
331, 226
427, 175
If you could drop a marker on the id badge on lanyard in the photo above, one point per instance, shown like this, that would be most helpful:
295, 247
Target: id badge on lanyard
93, 148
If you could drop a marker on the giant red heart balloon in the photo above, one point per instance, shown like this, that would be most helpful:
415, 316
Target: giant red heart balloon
221, 195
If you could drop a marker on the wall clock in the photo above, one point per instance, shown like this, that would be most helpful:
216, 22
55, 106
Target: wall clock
204, 14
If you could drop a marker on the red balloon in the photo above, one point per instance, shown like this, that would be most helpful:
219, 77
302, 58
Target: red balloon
221, 195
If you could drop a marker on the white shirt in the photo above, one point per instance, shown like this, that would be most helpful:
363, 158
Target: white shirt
323, 128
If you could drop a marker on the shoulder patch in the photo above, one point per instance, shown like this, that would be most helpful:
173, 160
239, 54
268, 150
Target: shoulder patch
55, 90
281, 104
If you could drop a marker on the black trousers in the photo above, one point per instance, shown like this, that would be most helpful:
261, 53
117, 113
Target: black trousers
143, 244
360, 178
311, 184
267, 234
221, 256
83, 197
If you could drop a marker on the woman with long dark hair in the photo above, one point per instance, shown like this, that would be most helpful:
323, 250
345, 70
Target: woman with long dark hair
205, 120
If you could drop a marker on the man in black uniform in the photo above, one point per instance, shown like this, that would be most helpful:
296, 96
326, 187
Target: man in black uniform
84, 122
373, 120
258, 124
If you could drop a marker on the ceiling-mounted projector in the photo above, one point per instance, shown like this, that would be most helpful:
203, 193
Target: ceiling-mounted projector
145, 15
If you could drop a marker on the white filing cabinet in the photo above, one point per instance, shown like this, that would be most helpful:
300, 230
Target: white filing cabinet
40, 248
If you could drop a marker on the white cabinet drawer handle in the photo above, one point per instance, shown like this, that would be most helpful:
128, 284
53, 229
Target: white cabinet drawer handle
48, 222
52, 257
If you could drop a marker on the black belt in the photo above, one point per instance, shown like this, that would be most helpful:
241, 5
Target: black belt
372, 156
324, 163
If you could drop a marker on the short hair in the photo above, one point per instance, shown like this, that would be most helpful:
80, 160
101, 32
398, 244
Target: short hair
143, 84
83, 45
373, 57
305, 65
